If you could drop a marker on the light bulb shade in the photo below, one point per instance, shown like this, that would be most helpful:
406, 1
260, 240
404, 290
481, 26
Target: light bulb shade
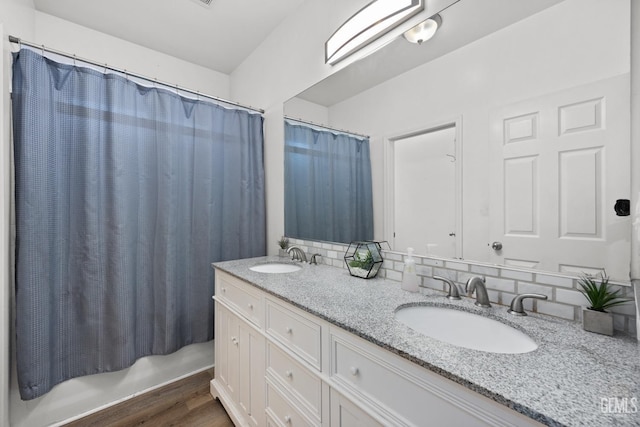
368, 24
424, 30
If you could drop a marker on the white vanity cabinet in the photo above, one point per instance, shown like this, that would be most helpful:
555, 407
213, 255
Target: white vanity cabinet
239, 354
299, 370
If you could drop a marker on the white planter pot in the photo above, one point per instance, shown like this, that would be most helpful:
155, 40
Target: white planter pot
597, 321
283, 252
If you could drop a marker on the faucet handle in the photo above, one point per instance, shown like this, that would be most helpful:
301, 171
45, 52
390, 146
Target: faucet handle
517, 308
313, 259
453, 289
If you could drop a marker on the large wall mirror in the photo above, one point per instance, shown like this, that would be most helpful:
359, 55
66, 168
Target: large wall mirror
511, 126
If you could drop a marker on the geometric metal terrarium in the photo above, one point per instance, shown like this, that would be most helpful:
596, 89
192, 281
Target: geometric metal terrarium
363, 259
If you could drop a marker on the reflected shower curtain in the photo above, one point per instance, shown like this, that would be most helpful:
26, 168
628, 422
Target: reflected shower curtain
124, 196
328, 193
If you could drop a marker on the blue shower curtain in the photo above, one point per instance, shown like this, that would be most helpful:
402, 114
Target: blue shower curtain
328, 193
124, 195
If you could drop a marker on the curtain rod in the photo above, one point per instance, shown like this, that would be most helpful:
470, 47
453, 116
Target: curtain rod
13, 39
307, 122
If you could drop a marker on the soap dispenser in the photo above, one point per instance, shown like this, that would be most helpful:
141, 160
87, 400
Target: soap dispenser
409, 276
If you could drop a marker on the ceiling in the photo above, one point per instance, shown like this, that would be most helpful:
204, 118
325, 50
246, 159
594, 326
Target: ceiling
219, 36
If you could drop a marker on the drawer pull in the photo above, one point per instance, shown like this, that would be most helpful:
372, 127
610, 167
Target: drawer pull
289, 330
287, 419
250, 306
223, 289
234, 340
289, 374
354, 371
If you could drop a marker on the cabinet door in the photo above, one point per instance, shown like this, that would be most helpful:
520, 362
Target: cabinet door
345, 414
251, 386
227, 350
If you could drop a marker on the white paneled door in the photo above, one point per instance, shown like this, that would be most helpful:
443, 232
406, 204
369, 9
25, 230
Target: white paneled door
558, 164
425, 192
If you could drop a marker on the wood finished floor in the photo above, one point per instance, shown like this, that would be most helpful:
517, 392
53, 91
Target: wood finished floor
185, 403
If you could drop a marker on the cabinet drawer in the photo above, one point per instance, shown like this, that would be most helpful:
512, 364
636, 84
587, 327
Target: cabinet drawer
282, 411
295, 332
345, 414
295, 378
240, 296
377, 382
407, 394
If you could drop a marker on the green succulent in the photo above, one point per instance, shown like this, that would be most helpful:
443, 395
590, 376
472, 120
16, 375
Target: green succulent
283, 242
599, 295
362, 261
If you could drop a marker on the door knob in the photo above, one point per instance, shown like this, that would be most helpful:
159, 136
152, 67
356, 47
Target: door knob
496, 246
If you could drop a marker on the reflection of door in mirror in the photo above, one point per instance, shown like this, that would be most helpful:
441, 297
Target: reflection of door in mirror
425, 219
560, 162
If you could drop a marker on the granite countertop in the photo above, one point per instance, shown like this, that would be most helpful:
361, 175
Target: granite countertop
574, 378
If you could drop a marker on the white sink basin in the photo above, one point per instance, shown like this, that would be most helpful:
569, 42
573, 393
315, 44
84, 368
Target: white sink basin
465, 329
275, 268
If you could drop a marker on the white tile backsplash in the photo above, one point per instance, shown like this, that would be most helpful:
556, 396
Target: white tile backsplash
457, 265
424, 270
502, 283
548, 279
392, 256
554, 309
506, 285
433, 262
527, 276
568, 296
484, 270
394, 275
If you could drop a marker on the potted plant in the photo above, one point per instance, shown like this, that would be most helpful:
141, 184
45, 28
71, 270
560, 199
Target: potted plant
601, 297
363, 259
283, 243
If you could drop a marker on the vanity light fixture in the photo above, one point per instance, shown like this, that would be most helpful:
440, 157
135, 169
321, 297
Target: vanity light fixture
369, 23
424, 30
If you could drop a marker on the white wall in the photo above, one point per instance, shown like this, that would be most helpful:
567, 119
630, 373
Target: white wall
85, 43
513, 64
77, 396
298, 108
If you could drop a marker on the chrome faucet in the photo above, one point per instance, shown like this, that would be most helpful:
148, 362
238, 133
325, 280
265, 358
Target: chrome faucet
297, 254
477, 284
516, 307
453, 289
314, 259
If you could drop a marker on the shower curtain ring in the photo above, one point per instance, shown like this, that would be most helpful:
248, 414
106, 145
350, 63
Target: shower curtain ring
42, 50
74, 59
105, 68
